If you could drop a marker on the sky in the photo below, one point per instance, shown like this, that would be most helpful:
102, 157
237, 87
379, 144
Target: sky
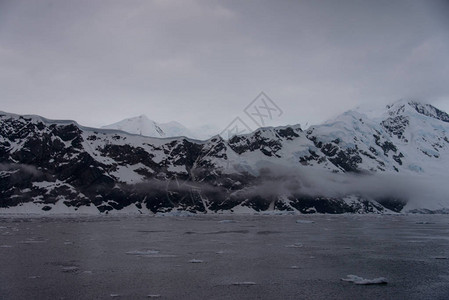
203, 62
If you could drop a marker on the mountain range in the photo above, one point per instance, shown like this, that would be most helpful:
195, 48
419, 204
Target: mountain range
394, 160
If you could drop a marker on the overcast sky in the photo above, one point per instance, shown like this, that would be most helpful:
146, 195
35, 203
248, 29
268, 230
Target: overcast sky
202, 62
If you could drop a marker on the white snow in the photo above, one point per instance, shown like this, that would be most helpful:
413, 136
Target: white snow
142, 125
143, 252
128, 174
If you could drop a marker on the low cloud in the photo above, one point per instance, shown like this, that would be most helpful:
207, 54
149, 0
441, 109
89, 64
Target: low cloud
272, 181
27, 169
418, 190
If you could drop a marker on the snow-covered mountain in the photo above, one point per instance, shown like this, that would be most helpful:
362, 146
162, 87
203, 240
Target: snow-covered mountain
142, 125
393, 160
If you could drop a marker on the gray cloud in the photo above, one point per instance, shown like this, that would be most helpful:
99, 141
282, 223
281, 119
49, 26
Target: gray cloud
273, 180
203, 61
27, 169
420, 191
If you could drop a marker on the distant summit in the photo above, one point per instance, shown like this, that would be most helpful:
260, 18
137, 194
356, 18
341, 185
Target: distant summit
142, 125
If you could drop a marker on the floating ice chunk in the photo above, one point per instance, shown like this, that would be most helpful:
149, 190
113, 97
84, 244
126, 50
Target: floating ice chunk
244, 283
295, 245
32, 242
293, 267
226, 221
143, 252
195, 261
179, 213
362, 281
34, 277
159, 256
304, 222
154, 296
88, 272
115, 295
68, 243
5, 246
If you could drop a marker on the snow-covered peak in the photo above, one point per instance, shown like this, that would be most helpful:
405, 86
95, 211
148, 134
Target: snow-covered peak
429, 111
142, 125
414, 117
405, 107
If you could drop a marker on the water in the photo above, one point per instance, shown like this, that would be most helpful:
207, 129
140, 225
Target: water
232, 257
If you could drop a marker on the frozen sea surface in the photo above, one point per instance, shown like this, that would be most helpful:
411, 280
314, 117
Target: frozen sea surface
236, 257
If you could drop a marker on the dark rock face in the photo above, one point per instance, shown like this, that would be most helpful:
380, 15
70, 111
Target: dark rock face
393, 204
396, 125
46, 162
430, 111
347, 160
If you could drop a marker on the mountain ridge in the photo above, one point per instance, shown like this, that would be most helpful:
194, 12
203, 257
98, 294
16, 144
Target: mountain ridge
46, 164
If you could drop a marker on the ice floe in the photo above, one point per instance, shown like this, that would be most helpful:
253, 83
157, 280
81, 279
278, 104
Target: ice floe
304, 222
293, 267
32, 241
143, 252
226, 221
362, 281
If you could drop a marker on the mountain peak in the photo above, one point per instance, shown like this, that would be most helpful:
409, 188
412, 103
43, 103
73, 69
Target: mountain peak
430, 111
142, 125
413, 106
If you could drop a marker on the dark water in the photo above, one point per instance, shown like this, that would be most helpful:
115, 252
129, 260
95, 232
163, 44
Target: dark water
209, 257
